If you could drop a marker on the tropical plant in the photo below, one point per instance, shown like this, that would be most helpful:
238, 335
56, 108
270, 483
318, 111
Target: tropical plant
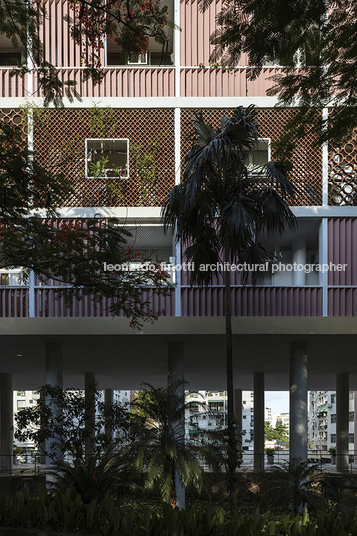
295, 483
279, 433
270, 451
63, 422
315, 44
221, 211
162, 451
94, 478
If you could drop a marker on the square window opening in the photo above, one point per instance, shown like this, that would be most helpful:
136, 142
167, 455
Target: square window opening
256, 159
107, 158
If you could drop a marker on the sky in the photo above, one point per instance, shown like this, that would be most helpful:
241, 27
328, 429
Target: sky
278, 401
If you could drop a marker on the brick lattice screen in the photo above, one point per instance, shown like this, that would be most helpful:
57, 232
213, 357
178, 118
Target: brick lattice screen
59, 141
307, 160
13, 116
343, 173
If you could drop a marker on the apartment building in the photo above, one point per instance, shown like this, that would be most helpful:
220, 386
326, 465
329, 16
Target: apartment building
209, 412
323, 419
296, 331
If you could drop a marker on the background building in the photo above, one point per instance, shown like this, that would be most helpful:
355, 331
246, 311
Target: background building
323, 419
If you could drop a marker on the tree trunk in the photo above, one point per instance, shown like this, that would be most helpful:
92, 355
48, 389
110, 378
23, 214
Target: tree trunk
232, 445
173, 496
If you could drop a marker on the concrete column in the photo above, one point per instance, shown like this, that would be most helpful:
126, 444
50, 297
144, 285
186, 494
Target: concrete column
355, 427
176, 372
238, 416
298, 401
299, 257
89, 419
342, 421
108, 400
259, 414
6, 421
42, 446
54, 377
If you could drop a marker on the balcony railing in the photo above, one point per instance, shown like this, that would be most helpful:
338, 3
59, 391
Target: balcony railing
253, 301
12, 86
149, 81
210, 82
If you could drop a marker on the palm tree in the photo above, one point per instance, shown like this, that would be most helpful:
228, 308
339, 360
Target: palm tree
160, 449
296, 484
221, 210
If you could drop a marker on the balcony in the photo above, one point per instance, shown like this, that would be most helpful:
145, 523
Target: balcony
250, 301
220, 82
117, 82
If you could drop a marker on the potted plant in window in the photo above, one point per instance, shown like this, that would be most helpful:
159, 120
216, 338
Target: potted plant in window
17, 451
332, 451
270, 455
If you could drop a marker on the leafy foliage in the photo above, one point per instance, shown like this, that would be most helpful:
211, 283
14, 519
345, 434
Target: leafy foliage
163, 450
279, 433
73, 252
60, 415
314, 42
295, 483
64, 511
94, 479
129, 23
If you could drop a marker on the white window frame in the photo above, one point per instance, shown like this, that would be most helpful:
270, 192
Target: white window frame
104, 140
143, 59
260, 142
11, 271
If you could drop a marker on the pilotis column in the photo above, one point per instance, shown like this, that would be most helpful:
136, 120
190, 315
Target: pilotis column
342, 421
6, 421
259, 413
54, 377
298, 401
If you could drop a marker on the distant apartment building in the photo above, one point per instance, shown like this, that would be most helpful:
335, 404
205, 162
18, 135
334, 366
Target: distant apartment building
29, 399
323, 418
270, 417
209, 409
284, 419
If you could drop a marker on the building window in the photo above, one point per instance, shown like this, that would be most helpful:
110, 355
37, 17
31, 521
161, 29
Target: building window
351, 416
244, 416
21, 393
107, 158
256, 159
21, 404
351, 438
333, 398
352, 395
244, 402
138, 59
333, 418
10, 277
333, 438
284, 250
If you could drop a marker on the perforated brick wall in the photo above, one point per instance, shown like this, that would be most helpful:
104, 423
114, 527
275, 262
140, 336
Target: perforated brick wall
307, 159
343, 173
59, 140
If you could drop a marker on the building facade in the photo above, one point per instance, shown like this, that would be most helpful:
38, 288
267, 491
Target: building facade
296, 331
323, 419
